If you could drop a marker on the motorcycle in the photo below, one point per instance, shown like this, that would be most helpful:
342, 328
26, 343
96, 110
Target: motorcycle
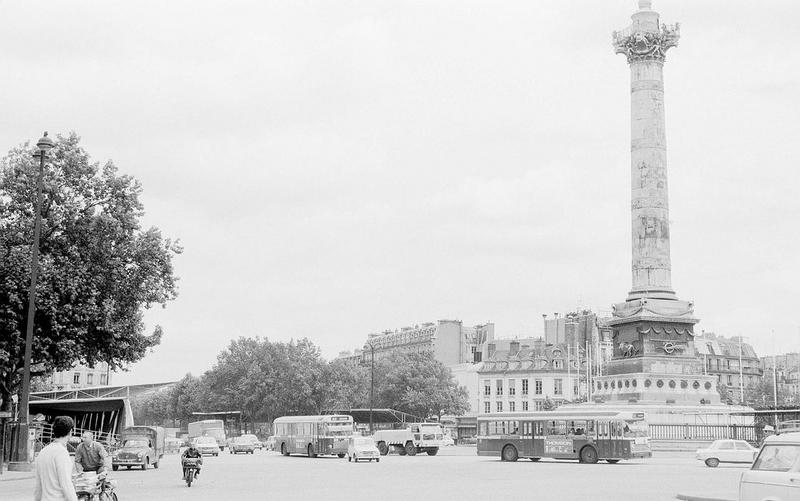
91, 486
190, 467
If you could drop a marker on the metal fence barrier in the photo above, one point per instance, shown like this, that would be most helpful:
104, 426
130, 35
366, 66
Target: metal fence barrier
706, 432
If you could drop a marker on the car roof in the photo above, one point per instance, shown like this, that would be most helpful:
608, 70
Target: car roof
784, 438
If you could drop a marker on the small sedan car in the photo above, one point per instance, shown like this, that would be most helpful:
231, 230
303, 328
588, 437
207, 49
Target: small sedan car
242, 444
359, 447
727, 451
775, 474
207, 445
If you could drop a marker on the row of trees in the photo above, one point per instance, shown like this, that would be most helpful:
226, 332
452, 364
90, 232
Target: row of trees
759, 395
266, 379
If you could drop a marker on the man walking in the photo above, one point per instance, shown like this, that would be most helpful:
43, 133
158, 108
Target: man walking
90, 455
54, 466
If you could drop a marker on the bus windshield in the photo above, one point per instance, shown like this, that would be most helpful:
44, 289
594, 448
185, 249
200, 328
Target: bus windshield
338, 429
635, 428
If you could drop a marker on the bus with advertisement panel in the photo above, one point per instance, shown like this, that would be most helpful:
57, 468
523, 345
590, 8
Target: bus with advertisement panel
586, 436
313, 435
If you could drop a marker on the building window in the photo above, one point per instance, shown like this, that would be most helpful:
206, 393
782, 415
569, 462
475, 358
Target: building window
538, 387
76, 378
558, 387
499, 406
524, 387
90, 378
512, 406
525, 405
499, 387
487, 387
487, 407
512, 387
558, 364
730, 380
575, 387
537, 405
103, 379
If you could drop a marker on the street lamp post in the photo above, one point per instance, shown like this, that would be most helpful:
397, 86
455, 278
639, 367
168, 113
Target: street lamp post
43, 146
371, 385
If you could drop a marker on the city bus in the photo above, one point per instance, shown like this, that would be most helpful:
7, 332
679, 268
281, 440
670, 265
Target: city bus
587, 436
313, 435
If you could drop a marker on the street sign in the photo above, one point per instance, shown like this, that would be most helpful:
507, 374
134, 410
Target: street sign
5, 414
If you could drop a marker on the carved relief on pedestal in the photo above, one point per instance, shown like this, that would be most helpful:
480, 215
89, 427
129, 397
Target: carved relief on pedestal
646, 45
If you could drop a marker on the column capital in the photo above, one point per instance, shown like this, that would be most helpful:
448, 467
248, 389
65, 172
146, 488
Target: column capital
646, 45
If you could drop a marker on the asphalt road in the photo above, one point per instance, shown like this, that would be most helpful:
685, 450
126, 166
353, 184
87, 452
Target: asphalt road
455, 474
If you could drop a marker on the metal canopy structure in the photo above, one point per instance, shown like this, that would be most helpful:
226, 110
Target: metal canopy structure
385, 416
100, 392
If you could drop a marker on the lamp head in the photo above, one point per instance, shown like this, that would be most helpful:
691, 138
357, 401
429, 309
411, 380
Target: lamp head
45, 143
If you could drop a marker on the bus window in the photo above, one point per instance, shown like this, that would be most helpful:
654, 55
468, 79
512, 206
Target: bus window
590, 428
635, 429
527, 429
484, 429
513, 427
578, 427
556, 427
538, 428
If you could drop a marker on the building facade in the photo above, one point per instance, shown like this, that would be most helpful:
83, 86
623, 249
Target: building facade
81, 376
528, 377
451, 342
788, 374
733, 362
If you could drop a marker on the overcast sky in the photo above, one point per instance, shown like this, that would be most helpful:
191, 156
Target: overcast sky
335, 168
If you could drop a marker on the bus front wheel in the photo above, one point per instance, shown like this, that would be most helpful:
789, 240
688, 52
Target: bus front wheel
509, 453
588, 455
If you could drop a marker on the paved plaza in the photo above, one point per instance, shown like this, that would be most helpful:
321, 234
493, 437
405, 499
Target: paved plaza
455, 474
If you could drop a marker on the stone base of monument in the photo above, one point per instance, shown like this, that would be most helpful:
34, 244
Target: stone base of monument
656, 369
661, 388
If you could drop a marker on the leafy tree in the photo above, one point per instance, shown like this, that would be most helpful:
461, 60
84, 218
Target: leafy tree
760, 395
419, 384
267, 379
98, 267
347, 385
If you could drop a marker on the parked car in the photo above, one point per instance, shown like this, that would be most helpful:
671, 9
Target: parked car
775, 473
242, 444
727, 451
359, 447
270, 443
207, 445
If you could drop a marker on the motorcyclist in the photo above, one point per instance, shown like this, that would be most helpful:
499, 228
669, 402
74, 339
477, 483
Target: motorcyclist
91, 455
191, 452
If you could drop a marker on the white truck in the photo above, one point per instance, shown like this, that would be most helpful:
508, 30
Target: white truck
418, 437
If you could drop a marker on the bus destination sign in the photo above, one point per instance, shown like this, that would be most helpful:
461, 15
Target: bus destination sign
557, 445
